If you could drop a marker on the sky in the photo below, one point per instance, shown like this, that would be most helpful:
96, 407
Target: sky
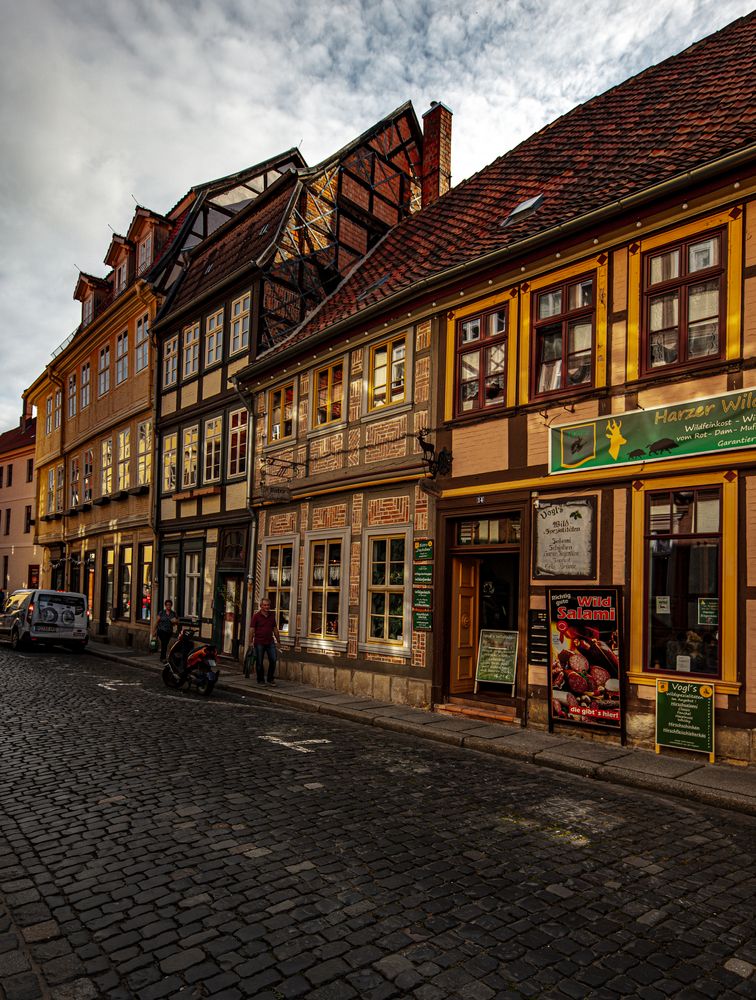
104, 103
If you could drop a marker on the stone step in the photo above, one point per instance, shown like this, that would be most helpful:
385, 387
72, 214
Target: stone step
504, 713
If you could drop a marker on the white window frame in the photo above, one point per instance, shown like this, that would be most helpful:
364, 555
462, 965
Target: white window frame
142, 344
271, 437
170, 578
212, 448
214, 338
84, 388
192, 584
190, 351
103, 372
273, 542
170, 361
316, 428
366, 644
48, 414
74, 484
121, 276
124, 459
87, 310
169, 447
311, 642
144, 453
88, 473
241, 313
60, 486
50, 500
122, 357
72, 395
58, 409
189, 453
106, 467
144, 254
242, 452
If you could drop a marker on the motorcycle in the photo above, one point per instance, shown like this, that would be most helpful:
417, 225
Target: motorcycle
187, 665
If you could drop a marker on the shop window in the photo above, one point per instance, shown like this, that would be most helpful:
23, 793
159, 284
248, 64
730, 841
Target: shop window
144, 582
214, 338
125, 561
326, 576
86, 492
212, 449
85, 385
683, 302
329, 394
237, 443
240, 310
170, 362
482, 361
142, 352
124, 458
191, 351
563, 334
106, 468
190, 443
281, 413
279, 569
122, 357
387, 376
683, 540
386, 585
144, 453
170, 447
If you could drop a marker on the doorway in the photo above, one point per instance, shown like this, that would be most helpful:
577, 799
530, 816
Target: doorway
229, 605
485, 595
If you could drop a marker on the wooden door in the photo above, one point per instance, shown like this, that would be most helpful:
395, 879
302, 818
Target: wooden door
464, 625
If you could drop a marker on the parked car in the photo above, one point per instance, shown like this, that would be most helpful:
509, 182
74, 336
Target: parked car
45, 617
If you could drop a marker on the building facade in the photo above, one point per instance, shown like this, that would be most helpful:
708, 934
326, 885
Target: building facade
19, 557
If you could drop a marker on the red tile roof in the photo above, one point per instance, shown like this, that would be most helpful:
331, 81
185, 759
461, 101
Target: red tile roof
22, 436
689, 110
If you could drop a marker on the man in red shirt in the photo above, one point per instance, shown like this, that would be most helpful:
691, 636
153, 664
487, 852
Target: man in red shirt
262, 631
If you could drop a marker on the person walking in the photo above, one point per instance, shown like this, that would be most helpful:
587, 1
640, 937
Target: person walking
166, 620
262, 633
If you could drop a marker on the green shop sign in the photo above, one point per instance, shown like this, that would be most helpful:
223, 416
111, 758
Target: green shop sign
423, 550
422, 621
685, 715
699, 427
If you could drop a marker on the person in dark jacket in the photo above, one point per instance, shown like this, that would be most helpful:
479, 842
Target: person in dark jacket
167, 619
262, 633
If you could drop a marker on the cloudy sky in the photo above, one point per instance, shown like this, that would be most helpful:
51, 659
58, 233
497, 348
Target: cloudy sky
107, 101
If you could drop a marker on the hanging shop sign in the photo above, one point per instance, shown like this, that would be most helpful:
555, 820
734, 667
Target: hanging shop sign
699, 427
685, 716
497, 657
564, 538
586, 656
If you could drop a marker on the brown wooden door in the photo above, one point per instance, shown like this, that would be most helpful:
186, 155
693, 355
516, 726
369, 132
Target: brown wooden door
464, 625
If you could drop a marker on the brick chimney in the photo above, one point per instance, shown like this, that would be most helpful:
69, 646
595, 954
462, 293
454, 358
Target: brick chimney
437, 127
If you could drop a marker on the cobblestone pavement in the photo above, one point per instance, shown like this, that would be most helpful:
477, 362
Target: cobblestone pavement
162, 845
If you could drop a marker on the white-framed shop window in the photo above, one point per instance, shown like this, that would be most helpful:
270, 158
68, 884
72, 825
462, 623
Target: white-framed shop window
280, 562
386, 590
325, 589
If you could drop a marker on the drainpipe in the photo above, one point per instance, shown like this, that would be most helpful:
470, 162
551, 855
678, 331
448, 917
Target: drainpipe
57, 381
252, 565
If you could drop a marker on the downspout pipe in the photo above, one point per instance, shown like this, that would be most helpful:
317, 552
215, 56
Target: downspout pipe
248, 404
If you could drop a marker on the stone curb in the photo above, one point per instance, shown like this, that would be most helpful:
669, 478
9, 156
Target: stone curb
497, 746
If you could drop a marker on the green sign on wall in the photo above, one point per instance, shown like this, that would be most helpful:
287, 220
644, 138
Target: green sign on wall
422, 573
423, 549
685, 715
699, 427
422, 597
497, 657
422, 621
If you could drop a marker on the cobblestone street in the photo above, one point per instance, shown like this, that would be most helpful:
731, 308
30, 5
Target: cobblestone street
162, 845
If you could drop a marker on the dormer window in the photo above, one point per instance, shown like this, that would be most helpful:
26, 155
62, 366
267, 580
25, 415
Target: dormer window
87, 309
121, 277
144, 254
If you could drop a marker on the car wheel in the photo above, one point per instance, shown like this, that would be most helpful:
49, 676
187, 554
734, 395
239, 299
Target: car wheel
16, 640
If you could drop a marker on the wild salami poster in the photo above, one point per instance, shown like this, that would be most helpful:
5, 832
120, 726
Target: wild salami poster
585, 656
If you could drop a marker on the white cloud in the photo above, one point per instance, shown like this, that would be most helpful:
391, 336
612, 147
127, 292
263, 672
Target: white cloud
103, 100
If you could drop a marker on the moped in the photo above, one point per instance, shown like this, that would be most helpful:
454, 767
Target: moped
187, 665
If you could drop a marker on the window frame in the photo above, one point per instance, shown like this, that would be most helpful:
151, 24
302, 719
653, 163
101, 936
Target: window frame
144, 254
72, 395
85, 385
169, 446
144, 580
48, 414
58, 409
170, 362
389, 344
479, 346
214, 338
190, 345
103, 371
124, 614
341, 641
60, 487
215, 453
272, 393
564, 318
241, 431
106, 467
190, 443
236, 321
74, 481
123, 470
142, 344
87, 475
144, 453
122, 357
331, 421
280, 542
386, 646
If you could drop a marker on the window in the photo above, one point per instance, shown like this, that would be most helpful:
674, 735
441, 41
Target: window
324, 588
191, 584
6, 530
84, 389
48, 415
281, 413
237, 443
563, 326
27, 519
29, 470
385, 587
278, 584
124, 458
2, 470
683, 578
142, 354
387, 373
170, 362
214, 338
144, 453
106, 467
144, 582
191, 350
212, 449
144, 254
482, 361
121, 277
108, 582
86, 493
683, 289
87, 309
58, 411
74, 482
240, 309
170, 444
50, 504
170, 578
60, 480
122, 357
125, 562
189, 456
103, 371
329, 393
72, 395
9, 477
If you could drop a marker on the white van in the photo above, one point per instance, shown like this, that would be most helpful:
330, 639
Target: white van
39, 617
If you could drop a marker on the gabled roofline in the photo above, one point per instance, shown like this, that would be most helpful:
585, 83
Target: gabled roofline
275, 356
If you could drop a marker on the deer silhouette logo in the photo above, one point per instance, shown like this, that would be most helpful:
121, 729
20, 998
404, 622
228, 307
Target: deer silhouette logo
616, 440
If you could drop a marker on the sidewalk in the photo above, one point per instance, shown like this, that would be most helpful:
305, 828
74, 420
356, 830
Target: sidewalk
684, 776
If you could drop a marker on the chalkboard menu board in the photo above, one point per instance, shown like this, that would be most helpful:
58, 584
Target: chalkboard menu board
685, 716
497, 657
538, 638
